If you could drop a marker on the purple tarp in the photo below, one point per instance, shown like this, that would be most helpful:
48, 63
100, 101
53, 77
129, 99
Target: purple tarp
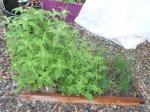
73, 9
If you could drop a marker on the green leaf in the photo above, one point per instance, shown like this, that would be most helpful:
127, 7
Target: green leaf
88, 95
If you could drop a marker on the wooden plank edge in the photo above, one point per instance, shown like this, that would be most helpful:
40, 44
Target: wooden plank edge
104, 100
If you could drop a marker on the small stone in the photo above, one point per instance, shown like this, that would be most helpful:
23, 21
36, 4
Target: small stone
114, 106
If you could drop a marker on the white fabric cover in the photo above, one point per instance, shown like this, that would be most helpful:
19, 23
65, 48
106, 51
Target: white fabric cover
125, 22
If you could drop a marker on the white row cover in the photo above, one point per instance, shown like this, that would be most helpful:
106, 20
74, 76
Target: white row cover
125, 22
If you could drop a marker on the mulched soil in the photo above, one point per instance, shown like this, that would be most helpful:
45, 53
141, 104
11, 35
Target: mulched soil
10, 102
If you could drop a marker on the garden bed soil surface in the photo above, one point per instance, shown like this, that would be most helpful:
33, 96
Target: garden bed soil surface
9, 100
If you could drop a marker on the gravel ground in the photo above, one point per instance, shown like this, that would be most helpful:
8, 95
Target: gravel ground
9, 101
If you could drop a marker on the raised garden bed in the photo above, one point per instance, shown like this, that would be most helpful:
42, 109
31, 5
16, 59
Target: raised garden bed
50, 54
103, 100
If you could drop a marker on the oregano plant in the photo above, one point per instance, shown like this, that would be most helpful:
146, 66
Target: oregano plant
45, 52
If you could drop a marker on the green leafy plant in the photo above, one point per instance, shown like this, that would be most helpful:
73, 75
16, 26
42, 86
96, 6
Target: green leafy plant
45, 52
